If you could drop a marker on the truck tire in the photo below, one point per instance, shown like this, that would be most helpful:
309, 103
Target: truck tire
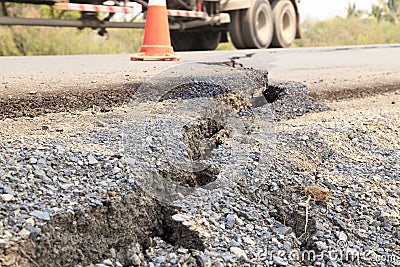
284, 23
235, 29
195, 41
207, 40
257, 24
182, 41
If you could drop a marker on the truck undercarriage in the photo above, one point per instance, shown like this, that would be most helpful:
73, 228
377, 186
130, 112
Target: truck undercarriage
194, 24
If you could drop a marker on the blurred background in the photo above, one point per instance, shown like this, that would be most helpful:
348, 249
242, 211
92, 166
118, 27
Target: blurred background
323, 23
328, 9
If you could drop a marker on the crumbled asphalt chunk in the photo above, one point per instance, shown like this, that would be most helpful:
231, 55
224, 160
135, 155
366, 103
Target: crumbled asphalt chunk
230, 220
92, 160
282, 230
8, 190
41, 215
7, 197
179, 217
339, 222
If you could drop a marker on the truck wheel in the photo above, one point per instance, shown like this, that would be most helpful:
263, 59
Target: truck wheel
235, 30
192, 41
182, 41
206, 40
257, 24
284, 23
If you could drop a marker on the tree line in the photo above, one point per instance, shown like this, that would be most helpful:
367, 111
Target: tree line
386, 10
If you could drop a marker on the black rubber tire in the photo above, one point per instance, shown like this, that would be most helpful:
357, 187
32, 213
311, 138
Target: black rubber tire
235, 29
182, 41
207, 40
257, 24
195, 41
284, 23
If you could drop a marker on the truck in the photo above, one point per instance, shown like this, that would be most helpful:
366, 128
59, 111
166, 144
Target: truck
194, 24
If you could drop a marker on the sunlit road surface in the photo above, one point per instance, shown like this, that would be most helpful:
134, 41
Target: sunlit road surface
327, 68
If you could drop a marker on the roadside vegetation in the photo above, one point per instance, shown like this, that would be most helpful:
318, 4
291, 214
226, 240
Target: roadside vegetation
380, 26
24, 41
349, 31
27, 41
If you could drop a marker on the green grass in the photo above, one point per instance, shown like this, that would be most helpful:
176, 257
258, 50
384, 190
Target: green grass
20, 41
226, 46
26, 41
351, 31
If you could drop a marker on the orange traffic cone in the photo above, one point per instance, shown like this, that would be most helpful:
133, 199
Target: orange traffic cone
156, 42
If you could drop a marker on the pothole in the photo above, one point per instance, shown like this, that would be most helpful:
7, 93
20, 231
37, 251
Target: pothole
199, 139
297, 221
202, 136
190, 179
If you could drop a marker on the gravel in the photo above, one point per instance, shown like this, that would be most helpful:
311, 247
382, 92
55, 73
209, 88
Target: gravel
57, 185
291, 100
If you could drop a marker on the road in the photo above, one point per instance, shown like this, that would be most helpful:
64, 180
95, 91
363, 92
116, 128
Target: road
41, 84
74, 184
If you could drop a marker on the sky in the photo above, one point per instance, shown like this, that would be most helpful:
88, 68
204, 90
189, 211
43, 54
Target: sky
325, 9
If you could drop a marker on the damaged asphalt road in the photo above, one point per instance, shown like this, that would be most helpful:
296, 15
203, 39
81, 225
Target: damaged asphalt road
70, 196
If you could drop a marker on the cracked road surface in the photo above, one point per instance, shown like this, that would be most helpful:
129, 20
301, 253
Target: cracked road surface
70, 194
37, 85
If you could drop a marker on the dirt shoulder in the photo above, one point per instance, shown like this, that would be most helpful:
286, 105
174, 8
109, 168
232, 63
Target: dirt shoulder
325, 148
